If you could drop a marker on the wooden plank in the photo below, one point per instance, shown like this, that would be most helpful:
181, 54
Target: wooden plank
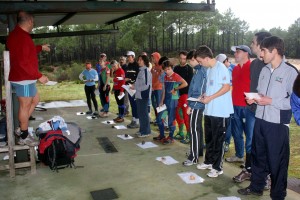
15, 148
9, 117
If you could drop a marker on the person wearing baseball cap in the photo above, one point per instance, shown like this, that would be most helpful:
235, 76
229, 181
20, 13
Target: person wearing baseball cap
130, 78
243, 119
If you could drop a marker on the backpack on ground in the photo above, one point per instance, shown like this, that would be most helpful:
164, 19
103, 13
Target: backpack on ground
58, 148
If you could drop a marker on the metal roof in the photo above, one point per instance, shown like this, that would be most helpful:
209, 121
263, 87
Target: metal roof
52, 13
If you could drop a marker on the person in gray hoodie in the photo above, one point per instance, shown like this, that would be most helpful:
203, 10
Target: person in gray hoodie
195, 110
270, 144
143, 87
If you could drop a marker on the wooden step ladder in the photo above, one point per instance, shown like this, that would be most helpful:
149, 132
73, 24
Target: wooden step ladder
11, 148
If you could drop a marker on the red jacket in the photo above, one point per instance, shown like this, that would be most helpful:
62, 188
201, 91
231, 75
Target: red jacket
240, 83
118, 83
23, 56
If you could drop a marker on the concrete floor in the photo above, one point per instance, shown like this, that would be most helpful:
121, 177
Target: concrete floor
132, 172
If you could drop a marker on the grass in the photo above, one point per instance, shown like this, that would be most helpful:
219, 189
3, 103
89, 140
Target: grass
71, 91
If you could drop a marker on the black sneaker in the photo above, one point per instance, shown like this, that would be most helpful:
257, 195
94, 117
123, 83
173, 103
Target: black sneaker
89, 112
248, 191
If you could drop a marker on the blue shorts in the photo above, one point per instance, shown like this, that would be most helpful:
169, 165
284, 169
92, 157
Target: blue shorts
25, 90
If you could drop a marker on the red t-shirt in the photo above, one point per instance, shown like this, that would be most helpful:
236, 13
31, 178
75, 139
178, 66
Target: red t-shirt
118, 75
156, 72
23, 56
240, 83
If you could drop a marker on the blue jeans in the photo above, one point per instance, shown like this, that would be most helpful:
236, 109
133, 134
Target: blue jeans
155, 100
243, 121
133, 107
142, 105
171, 108
229, 130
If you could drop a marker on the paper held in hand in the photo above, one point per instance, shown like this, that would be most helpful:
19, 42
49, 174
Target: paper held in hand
50, 83
121, 96
192, 99
161, 108
252, 95
130, 91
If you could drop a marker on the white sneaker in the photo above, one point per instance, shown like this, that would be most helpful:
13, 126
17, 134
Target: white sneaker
234, 159
30, 141
204, 166
214, 173
189, 163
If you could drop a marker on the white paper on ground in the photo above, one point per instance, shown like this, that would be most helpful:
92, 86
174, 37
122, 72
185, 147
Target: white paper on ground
147, 145
120, 127
192, 99
190, 178
109, 122
167, 160
121, 96
252, 95
229, 198
161, 108
91, 117
50, 83
129, 137
80, 113
130, 91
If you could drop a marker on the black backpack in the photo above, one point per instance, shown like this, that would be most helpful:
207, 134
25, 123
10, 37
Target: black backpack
57, 148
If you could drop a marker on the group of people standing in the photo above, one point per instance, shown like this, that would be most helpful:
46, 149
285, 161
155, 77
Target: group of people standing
202, 86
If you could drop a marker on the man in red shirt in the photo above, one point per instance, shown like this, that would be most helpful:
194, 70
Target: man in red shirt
24, 72
243, 120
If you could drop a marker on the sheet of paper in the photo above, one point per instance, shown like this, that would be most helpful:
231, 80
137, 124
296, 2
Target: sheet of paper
167, 160
192, 99
161, 108
121, 96
120, 127
147, 145
229, 198
92, 117
50, 83
129, 137
190, 178
252, 95
80, 113
120, 78
109, 122
130, 91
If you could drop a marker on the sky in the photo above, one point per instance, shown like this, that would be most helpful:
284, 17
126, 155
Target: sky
260, 14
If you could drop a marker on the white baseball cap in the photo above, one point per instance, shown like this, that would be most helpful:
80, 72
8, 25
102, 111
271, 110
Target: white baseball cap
221, 57
130, 53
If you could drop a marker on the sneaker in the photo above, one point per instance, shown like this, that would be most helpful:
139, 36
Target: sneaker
186, 140
89, 112
29, 140
241, 177
115, 119
248, 191
213, 173
95, 113
204, 166
142, 135
159, 138
234, 159
133, 124
179, 136
168, 140
189, 163
18, 131
103, 115
268, 183
119, 120
226, 147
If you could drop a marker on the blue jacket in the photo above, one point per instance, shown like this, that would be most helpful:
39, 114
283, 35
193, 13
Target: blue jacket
197, 87
295, 104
